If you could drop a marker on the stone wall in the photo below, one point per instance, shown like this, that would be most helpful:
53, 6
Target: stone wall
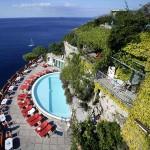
111, 111
69, 49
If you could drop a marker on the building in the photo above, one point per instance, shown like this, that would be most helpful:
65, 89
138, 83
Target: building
114, 12
53, 60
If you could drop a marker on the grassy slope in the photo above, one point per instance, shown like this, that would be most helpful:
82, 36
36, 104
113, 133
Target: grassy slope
134, 136
95, 37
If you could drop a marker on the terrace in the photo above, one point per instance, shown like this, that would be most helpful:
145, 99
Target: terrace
24, 135
119, 91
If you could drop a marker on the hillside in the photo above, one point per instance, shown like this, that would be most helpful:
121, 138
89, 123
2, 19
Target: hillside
129, 42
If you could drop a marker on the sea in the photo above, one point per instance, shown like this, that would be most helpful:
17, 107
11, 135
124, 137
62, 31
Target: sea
16, 33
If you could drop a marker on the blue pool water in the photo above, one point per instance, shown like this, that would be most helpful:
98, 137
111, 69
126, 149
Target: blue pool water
49, 96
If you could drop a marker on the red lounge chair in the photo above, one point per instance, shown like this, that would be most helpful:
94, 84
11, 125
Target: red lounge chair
27, 109
42, 126
24, 87
32, 123
45, 130
30, 119
23, 105
26, 102
22, 96
28, 82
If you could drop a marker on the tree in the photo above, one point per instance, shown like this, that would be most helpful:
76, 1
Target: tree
103, 136
125, 29
56, 48
29, 56
36, 52
39, 50
71, 38
103, 19
87, 137
76, 76
109, 135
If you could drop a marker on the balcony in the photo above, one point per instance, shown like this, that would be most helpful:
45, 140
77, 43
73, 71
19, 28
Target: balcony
116, 89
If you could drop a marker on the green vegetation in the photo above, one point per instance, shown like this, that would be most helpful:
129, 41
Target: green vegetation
75, 75
135, 44
123, 74
93, 38
36, 52
128, 41
56, 48
29, 56
103, 136
126, 27
141, 50
103, 19
89, 38
134, 136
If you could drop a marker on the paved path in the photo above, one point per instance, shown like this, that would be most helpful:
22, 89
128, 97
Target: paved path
25, 138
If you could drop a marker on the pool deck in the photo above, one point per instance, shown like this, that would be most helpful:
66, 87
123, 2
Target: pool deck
27, 138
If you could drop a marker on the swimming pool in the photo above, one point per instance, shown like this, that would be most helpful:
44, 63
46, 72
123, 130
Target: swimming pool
48, 96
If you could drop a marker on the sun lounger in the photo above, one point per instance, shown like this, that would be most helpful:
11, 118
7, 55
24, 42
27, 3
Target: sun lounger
26, 101
30, 119
22, 96
35, 121
27, 109
24, 104
33, 78
30, 112
45, 130
41, 127
25, 87
28, 82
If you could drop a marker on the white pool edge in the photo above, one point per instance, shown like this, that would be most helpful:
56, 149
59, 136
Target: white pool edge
39, 107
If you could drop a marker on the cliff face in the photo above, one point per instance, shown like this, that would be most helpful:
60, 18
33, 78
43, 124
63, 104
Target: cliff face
146, 9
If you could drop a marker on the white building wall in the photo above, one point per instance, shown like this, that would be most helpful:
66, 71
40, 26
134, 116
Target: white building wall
70, 49
52, 60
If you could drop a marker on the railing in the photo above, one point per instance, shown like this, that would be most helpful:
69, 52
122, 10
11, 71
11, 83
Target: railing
119, 91
142, 126
4, 89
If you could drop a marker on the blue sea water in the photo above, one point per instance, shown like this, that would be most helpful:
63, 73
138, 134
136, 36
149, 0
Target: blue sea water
15, 35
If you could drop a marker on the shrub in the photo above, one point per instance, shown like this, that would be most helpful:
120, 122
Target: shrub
39, 50
104, 136
103, 19
126, 27
123, 74
109, 135
29, 56
134, 136
56, 48
36, 52
75, 74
